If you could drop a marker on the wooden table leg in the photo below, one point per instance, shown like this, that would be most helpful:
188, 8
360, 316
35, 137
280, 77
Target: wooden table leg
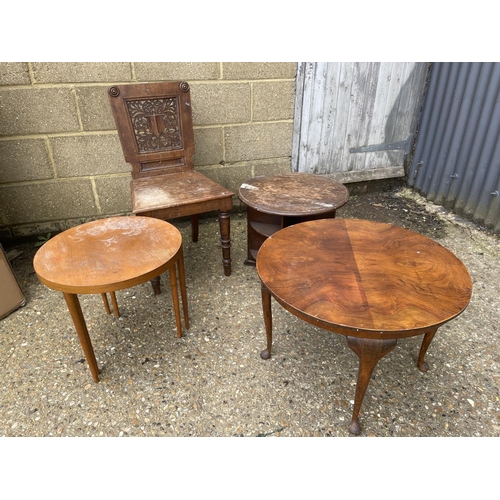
369, 351
175, 299
81, 328
225, 241
113, 300
422, 365
250, 261
115, 304
106, 303
268, 321
182, 283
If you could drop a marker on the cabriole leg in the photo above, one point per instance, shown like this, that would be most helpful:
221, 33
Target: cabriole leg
369, 351
422, 365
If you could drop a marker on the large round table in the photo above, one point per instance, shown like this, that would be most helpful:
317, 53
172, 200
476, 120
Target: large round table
374, 283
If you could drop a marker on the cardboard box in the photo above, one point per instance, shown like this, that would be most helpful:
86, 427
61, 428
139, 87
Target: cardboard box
11, 295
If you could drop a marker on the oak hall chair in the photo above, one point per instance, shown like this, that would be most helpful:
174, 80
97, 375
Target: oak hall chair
155, 126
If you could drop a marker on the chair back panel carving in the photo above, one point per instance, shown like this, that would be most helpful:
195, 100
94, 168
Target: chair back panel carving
155, 126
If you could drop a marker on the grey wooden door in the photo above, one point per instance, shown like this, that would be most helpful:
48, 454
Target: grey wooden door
356, 121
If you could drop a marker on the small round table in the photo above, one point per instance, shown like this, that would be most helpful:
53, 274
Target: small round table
372, 282
277, 201
108, 255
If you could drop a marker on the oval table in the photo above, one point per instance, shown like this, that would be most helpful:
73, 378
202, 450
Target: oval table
107, 255
372, 282
277, 201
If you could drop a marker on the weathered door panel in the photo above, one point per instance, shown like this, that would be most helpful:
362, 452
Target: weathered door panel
356, 121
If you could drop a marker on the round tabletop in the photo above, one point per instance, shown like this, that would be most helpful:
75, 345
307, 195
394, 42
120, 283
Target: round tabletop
107, 255
363, 278
294, 194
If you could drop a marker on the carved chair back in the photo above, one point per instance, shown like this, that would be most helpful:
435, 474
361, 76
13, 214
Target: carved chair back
154, 123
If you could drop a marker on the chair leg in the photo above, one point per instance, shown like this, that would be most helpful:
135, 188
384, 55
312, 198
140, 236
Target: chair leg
225, 241
194, 227
156, 284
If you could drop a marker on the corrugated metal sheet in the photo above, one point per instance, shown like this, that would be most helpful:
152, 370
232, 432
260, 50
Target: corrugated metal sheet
457, 155
356, 119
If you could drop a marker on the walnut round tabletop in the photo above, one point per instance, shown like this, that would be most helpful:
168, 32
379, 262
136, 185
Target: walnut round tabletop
107, 255
372, 282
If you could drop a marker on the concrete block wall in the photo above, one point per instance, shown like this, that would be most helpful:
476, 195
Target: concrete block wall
61, 161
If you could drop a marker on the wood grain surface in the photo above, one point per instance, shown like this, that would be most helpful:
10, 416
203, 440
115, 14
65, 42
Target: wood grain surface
108, 254
294, 194
363, 278
178, 190
155, 126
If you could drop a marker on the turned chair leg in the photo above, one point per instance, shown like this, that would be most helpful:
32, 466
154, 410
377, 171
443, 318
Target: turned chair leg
156, 284
194, 227
225, 241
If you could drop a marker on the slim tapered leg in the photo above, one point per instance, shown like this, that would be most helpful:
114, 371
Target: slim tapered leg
175, 299
422, 365
106, 303
225, 241
268, 321
113, 300
115, 304
182, 284
81, 329
369, 351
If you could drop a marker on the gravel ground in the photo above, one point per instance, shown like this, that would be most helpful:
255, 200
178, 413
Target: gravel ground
212, 382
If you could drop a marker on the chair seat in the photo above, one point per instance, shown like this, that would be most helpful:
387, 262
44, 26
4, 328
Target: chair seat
155, 126
183, 193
